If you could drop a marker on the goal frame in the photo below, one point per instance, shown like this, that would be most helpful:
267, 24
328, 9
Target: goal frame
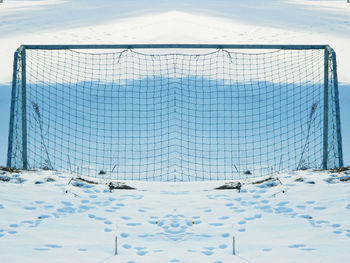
329, 60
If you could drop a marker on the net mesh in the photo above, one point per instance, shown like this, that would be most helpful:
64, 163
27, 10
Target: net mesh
172, 115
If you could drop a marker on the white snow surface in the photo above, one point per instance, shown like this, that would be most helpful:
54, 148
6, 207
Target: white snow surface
297, 217
71, 221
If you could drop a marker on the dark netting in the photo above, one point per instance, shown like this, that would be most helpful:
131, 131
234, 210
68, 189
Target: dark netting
174, 114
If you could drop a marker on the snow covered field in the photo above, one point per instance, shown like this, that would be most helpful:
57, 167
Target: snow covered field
54, 220
299, 217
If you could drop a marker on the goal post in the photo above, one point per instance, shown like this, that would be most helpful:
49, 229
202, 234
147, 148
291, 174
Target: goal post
175, 112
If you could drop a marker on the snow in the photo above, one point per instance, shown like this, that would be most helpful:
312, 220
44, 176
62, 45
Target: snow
299, 217
174, 222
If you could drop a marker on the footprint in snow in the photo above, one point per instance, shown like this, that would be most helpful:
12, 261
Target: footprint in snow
133, 224
126, 246
141, 253
84, 208
322, 222
267, 249
297, 246
29, 208
42, 249
66, 209
306, 216
222, 246
208, 252
265, 208
52, 246
91, 216
215, 224
335, 225
310, 202
320, 207
65, 203
282, 209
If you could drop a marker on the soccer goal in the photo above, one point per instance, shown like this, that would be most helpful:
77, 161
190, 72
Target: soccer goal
175, 112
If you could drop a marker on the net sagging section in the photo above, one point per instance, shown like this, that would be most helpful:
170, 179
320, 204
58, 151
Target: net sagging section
172, 114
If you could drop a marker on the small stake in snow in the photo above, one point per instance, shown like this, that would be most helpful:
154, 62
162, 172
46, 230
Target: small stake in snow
233, 246
116, 245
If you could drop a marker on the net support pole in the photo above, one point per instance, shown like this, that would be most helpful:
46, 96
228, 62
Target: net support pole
233, 245
116, 245
325, 111
12, 110
337, 109
24, 111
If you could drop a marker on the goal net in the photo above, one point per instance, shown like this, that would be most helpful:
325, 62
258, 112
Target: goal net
174, 112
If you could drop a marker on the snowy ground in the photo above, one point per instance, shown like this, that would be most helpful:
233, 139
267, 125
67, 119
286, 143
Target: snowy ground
168, 222
299, 217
